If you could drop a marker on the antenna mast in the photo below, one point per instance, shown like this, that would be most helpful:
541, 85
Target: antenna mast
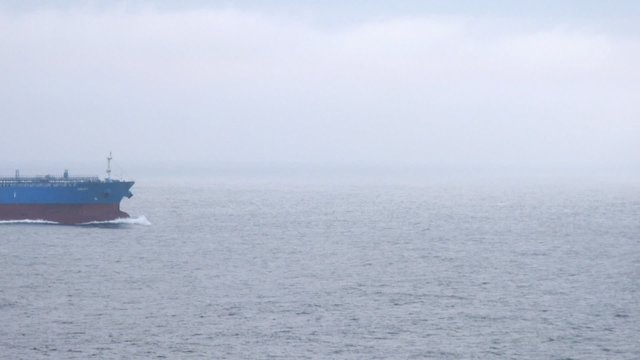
109, 158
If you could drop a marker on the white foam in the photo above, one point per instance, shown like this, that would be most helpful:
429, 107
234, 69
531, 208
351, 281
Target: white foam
140, 220
27, 221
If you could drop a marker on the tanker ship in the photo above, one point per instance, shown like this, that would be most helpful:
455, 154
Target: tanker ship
63, 199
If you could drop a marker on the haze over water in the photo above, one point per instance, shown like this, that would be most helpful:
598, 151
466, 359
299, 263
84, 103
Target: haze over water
543, 83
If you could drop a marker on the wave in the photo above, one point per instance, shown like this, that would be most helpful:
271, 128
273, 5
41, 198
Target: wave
140, 220
27, 221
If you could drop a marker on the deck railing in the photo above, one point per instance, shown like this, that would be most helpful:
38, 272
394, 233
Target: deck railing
39, 179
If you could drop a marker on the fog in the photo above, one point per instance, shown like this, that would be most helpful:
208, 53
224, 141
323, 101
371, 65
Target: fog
236, 85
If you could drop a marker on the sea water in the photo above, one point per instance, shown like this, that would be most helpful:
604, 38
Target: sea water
295, 270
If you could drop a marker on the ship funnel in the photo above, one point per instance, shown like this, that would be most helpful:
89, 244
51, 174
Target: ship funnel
66, 174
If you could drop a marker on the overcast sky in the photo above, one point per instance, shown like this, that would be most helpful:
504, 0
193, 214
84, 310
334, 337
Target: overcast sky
495, 83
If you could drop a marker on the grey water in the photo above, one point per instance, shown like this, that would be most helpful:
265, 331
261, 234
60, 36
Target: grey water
286, 270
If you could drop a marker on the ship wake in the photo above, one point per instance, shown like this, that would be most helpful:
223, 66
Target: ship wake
140, 220
27, 221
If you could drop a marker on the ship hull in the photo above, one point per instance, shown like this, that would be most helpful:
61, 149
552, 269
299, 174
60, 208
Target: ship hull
63, 200
62, 213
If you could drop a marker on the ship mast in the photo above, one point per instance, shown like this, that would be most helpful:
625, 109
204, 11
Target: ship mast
109, 158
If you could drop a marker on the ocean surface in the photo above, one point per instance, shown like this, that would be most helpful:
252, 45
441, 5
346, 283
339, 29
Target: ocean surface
355, 270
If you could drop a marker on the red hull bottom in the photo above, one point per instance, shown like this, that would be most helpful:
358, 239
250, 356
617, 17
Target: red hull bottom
64, 214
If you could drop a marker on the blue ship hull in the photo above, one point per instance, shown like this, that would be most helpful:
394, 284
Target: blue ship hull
65, 193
